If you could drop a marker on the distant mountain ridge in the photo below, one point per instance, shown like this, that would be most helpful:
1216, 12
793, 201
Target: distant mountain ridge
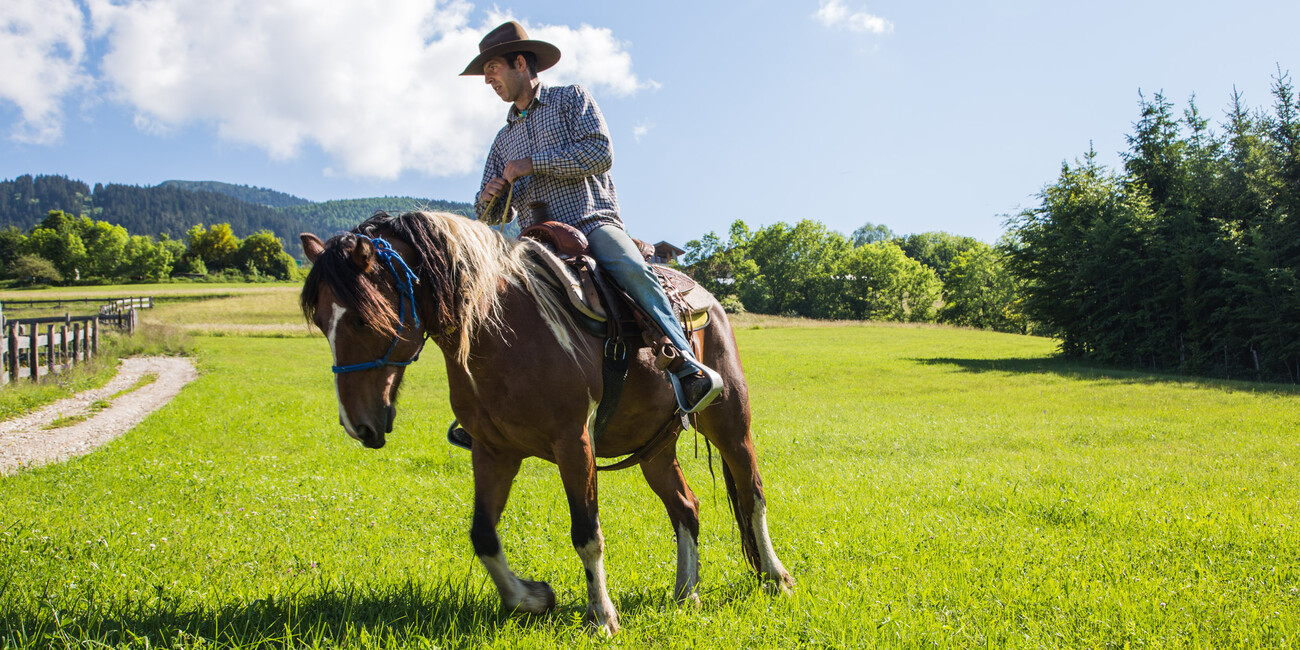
344, 214
173, 207
246, 193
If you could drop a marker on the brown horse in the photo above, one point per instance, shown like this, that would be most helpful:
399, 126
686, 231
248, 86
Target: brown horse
524, 381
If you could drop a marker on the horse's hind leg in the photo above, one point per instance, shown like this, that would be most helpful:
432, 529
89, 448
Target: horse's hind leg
726, 424
665, 477
578, 473
493, 475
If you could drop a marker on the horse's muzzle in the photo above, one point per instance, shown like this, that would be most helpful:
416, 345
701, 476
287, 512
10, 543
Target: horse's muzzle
373, 438
370, 439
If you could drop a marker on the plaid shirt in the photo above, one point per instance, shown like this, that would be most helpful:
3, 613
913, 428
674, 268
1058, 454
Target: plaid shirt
564, 134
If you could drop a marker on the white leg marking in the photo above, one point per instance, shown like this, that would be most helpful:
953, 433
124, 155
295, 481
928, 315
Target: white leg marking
512, 592
517, 596
688, 566
600, 609
339, 311
770, 564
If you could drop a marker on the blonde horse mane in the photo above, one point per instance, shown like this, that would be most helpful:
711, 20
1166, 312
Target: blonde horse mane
477, 261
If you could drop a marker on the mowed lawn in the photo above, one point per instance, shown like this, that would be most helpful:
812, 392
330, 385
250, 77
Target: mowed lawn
926, 486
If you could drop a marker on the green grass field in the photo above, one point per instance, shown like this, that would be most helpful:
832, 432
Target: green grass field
926, 486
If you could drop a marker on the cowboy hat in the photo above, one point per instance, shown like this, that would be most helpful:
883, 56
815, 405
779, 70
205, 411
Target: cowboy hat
511, 37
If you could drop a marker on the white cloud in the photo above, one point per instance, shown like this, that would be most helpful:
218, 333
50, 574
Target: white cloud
374, 85
42, 46
641, 130
833, 13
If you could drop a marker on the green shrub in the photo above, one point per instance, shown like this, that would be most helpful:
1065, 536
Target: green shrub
34, 269
732, 305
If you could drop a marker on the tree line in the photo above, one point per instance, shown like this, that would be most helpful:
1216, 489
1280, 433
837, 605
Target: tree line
69, 249
173, 207
1187, 258
806, 269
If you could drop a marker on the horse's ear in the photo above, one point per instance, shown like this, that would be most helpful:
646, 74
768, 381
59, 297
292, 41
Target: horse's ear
363, 254
312, 246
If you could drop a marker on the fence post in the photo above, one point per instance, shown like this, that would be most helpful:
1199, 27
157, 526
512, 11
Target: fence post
49, 348
33, 353
14, 361
63, 343
94, 339
11, 361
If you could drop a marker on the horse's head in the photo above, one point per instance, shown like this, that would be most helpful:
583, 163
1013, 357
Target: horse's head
361, 294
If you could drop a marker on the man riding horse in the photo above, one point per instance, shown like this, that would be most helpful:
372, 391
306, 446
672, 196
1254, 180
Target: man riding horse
555, 149
489, 306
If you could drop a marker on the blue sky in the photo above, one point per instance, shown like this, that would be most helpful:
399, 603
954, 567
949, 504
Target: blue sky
920, 116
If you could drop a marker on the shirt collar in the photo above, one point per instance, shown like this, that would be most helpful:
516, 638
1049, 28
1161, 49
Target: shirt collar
541, 98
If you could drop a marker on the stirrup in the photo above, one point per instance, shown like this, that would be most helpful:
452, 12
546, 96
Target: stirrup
458, 437
707, 374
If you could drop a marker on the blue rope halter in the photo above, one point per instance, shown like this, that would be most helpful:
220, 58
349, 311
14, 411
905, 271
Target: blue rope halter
406, 282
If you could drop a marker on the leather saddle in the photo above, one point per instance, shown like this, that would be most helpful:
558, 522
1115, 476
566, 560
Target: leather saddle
603, 308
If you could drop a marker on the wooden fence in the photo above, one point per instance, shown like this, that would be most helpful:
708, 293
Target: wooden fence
39, 347
34, 348
122, 305
57, 303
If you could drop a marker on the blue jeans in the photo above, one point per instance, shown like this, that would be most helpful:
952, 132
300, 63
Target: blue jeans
614, 250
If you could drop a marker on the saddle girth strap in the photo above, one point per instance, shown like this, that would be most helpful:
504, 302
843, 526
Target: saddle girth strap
675, 425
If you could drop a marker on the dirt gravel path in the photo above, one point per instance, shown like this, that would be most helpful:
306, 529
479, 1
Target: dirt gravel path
25, 443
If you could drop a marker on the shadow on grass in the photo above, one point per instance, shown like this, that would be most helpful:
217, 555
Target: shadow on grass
448, 615
404, 615
1083, 371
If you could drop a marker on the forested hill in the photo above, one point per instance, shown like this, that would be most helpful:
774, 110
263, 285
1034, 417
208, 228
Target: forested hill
343, 214
174, 206
245, 193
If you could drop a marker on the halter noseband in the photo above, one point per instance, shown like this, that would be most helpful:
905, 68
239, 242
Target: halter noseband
406, 281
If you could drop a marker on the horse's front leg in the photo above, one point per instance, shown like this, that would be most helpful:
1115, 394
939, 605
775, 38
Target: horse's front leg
493, 475
578, 472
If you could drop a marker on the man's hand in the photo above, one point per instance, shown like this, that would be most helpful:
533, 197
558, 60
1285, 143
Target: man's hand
493, 188
517, 169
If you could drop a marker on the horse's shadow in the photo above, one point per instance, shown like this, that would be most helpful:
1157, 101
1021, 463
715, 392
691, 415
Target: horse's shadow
453, 615
1084, 371
450, 615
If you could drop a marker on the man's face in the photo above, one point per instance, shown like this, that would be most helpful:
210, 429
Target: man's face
509, 82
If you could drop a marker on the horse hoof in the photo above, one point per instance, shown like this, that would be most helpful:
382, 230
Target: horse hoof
607, 628
691, 600
782, 585
538, 598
